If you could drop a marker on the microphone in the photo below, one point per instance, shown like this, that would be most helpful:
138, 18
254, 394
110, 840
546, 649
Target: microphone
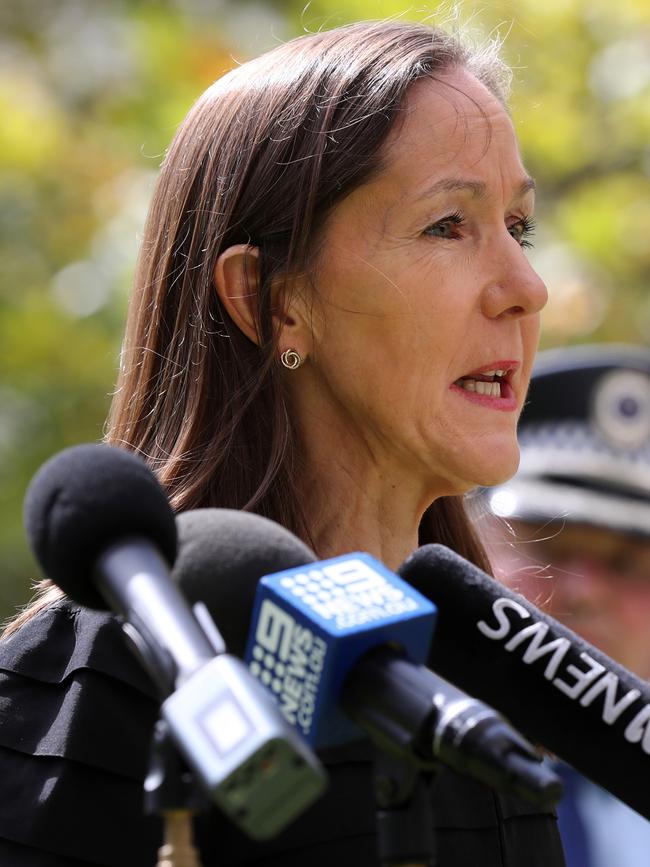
338, 644
102, 528
553, 685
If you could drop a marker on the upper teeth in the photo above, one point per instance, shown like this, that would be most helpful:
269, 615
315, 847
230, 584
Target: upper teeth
493, 372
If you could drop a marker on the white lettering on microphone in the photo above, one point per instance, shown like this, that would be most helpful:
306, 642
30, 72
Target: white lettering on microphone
612, 709
288, 658
638, 731
274, 629
536, 650
582, 678
583, 683
499, 609
349, 593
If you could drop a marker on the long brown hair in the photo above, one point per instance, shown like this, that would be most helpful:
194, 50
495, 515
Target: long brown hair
261, 159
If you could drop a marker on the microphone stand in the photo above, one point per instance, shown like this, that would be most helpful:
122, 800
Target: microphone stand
171, 793
177, 849
405, 832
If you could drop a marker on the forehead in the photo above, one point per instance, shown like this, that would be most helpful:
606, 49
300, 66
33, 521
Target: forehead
451, 124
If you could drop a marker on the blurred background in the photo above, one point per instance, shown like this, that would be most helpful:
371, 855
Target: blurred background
91, 92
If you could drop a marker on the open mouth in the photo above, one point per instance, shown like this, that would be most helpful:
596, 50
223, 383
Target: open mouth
490, 382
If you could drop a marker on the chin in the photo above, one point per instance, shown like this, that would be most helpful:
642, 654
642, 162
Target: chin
495, 471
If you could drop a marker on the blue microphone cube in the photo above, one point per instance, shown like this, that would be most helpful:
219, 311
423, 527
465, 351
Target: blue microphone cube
311, 625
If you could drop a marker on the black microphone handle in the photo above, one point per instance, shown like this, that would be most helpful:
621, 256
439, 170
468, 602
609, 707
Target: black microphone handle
557, 689
408, 710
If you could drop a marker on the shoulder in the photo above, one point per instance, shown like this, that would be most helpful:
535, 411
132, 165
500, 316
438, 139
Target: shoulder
76, 714
65, 638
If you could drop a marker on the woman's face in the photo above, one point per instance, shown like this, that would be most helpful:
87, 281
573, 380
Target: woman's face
426, 291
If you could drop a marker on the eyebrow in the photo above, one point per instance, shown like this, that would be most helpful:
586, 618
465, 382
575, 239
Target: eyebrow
477, 188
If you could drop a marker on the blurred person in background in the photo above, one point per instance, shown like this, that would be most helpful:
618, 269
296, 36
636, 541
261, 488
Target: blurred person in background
573, 536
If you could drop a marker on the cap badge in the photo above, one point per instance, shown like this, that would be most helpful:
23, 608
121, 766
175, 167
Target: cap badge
621, 408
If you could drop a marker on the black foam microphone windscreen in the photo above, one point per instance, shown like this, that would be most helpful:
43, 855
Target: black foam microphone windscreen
550, 683
241, 547
82, 500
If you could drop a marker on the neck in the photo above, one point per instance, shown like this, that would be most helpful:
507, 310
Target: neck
354, 505
359, 490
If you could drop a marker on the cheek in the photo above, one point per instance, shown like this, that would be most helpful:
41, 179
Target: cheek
385, 378
401, 345
531, 328
530, 331
363, 367
358, 351
391, 336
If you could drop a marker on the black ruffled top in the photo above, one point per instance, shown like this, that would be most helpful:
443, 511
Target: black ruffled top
76, 716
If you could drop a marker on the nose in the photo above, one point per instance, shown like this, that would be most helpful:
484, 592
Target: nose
516, 289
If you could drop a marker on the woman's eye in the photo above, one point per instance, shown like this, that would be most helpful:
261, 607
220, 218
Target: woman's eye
447, 227
522, 231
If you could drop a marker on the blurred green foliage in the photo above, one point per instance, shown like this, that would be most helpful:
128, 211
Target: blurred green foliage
91, 94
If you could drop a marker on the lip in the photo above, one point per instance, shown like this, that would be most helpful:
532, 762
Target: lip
508, 400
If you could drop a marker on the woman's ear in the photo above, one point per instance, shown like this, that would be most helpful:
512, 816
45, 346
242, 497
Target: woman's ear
236, 279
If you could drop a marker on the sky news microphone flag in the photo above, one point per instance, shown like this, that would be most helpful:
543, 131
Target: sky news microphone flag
554, 686
338, 644
101, 527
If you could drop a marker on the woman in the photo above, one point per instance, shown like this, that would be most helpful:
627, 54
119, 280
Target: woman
333, 324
